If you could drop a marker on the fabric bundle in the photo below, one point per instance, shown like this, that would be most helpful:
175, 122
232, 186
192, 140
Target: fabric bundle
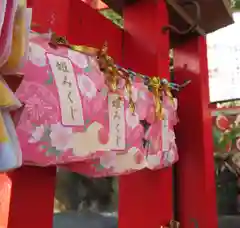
74, 118
10, 151
15, 21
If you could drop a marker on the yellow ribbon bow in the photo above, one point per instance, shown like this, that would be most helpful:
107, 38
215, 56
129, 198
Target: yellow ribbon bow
156, 88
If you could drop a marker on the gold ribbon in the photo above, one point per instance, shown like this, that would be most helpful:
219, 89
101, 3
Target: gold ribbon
106, 64
62, 41
156, 88
128, 86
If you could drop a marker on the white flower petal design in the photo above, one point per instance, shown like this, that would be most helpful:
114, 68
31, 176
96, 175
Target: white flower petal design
60, 136
78, 59
37, 134
134, 94
86, 86
108, 160
37, 55
132, 119
153, 161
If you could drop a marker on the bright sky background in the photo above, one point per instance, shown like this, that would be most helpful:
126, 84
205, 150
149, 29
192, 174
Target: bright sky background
228, 34
224, 62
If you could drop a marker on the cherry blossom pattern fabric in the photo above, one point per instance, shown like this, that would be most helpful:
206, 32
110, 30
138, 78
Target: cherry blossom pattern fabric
7, 30
44, 138
136, 157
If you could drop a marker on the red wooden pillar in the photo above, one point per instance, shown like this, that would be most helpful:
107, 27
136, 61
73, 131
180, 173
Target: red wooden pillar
145, 197
196, 194
27, 197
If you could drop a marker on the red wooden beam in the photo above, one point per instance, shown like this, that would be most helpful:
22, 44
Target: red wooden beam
196, 195
146, 196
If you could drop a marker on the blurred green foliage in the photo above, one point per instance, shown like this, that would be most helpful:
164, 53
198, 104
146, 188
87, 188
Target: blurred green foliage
113, 16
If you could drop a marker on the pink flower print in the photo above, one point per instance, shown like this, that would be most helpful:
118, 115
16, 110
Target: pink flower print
37, 134
141, 109
136, 134
93, 106
171, 136
79, 59
132, 119
151, 115
143, 104
139, 157
168, 157
133, 151
134, 94
40, 105
97, 77
103, 135
86, 86
108, 159
60, 136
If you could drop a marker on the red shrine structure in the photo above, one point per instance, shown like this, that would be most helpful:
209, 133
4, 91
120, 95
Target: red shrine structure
147, 199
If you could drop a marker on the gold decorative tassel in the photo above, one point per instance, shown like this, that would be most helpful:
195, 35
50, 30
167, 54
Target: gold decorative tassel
106, 64
155, 86
128, 87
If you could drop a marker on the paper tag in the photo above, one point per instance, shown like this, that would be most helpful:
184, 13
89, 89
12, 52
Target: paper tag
165, 131
116, 122
69, 97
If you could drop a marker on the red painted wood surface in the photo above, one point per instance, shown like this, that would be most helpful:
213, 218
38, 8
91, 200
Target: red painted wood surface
145, 197
196, 191
27, 197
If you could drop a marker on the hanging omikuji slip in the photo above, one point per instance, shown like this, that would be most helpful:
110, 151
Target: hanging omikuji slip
69, 114
10, 151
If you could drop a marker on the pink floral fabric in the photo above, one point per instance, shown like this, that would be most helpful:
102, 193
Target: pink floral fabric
45, 140
43, 137
151, 154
